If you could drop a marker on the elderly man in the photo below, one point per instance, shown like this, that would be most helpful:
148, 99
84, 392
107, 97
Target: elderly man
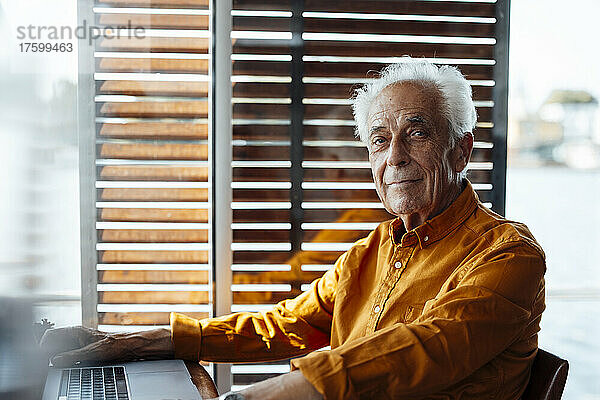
442, 302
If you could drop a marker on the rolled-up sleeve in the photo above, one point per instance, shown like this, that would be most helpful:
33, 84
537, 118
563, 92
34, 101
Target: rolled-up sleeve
186, 336
293, 327
458, 332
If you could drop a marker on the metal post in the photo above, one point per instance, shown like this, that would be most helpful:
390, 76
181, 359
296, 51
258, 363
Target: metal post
296, 126
500, 110
220, 142
87, 170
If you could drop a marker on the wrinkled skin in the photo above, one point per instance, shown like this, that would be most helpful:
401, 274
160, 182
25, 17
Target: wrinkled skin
76, 344
415, 168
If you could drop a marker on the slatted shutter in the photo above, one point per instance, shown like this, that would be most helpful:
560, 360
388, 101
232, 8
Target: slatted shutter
303, 191
152, 169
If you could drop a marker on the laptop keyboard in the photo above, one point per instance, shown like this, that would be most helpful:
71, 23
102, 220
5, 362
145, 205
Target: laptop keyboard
95, 383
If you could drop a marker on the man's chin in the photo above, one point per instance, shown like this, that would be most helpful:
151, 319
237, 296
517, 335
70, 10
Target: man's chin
399, 209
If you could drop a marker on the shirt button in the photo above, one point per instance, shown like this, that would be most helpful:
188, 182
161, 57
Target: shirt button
426, 238
376, 309
398, 265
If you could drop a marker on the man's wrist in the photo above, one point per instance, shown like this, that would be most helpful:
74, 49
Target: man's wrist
152, 344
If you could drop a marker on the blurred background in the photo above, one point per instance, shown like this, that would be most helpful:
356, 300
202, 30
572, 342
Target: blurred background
553, 176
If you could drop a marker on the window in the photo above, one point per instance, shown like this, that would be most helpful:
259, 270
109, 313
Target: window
300, 185
553, 175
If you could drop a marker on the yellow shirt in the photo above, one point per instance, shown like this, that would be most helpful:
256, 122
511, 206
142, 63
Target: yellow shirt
448, 310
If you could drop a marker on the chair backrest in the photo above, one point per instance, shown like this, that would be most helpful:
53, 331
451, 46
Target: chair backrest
202, 380
548, 377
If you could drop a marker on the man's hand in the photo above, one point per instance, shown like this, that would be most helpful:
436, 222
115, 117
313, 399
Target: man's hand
292, 386
70, 345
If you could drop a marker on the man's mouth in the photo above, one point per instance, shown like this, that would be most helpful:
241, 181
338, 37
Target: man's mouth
403, 182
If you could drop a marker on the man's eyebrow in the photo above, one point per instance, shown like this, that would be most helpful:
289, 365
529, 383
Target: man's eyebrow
375, 129
416, 118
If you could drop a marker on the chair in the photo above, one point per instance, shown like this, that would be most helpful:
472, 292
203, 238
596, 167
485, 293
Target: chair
548, 377
202, 380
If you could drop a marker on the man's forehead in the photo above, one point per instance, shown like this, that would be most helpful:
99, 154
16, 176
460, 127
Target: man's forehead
405, 102
384, 117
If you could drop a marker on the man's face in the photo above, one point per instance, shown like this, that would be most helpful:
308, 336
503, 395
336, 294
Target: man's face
413, 166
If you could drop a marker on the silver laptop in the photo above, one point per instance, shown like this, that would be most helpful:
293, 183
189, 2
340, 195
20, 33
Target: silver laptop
147, 380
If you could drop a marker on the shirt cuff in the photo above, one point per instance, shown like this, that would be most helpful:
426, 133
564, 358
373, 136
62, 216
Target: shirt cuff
186, 336
324, 370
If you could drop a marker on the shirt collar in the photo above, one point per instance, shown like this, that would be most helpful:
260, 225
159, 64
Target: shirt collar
439, 226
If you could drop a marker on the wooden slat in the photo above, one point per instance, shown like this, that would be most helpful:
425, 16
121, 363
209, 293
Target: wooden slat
366, 195
339, 236
154, 130
261, 132
158, 109
345, 91
268, 5
362, 70
154, 235
241, 89
154, 21
324, 257
255, 46
261, 195
261, 153
153, 173
392, 6
348, 215
148, 88
135, 194
261, 216
335, 154
246, 23
143, 151
382, 49
479, 176
263, 297
155, 44
141, 318
338, 175
261, 111
260, 235
325, 111
187, 277
352, 195
153, 215
201, 4
162, 297
295, 277
266, 68
163, 65
261, 174
387, 27
151, 256
403, 7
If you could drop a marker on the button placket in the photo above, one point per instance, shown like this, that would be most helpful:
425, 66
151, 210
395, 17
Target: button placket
392, 277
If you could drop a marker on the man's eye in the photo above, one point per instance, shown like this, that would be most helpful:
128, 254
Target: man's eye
378, 141
418, 134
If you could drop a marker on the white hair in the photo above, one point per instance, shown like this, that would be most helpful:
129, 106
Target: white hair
457, 101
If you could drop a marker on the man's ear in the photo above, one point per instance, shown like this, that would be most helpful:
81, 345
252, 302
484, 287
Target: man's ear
464, 148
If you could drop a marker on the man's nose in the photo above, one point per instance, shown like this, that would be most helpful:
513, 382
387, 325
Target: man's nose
397, 153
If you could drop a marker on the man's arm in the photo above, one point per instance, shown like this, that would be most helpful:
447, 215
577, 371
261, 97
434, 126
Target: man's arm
66, 346
457, 334
292, 327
